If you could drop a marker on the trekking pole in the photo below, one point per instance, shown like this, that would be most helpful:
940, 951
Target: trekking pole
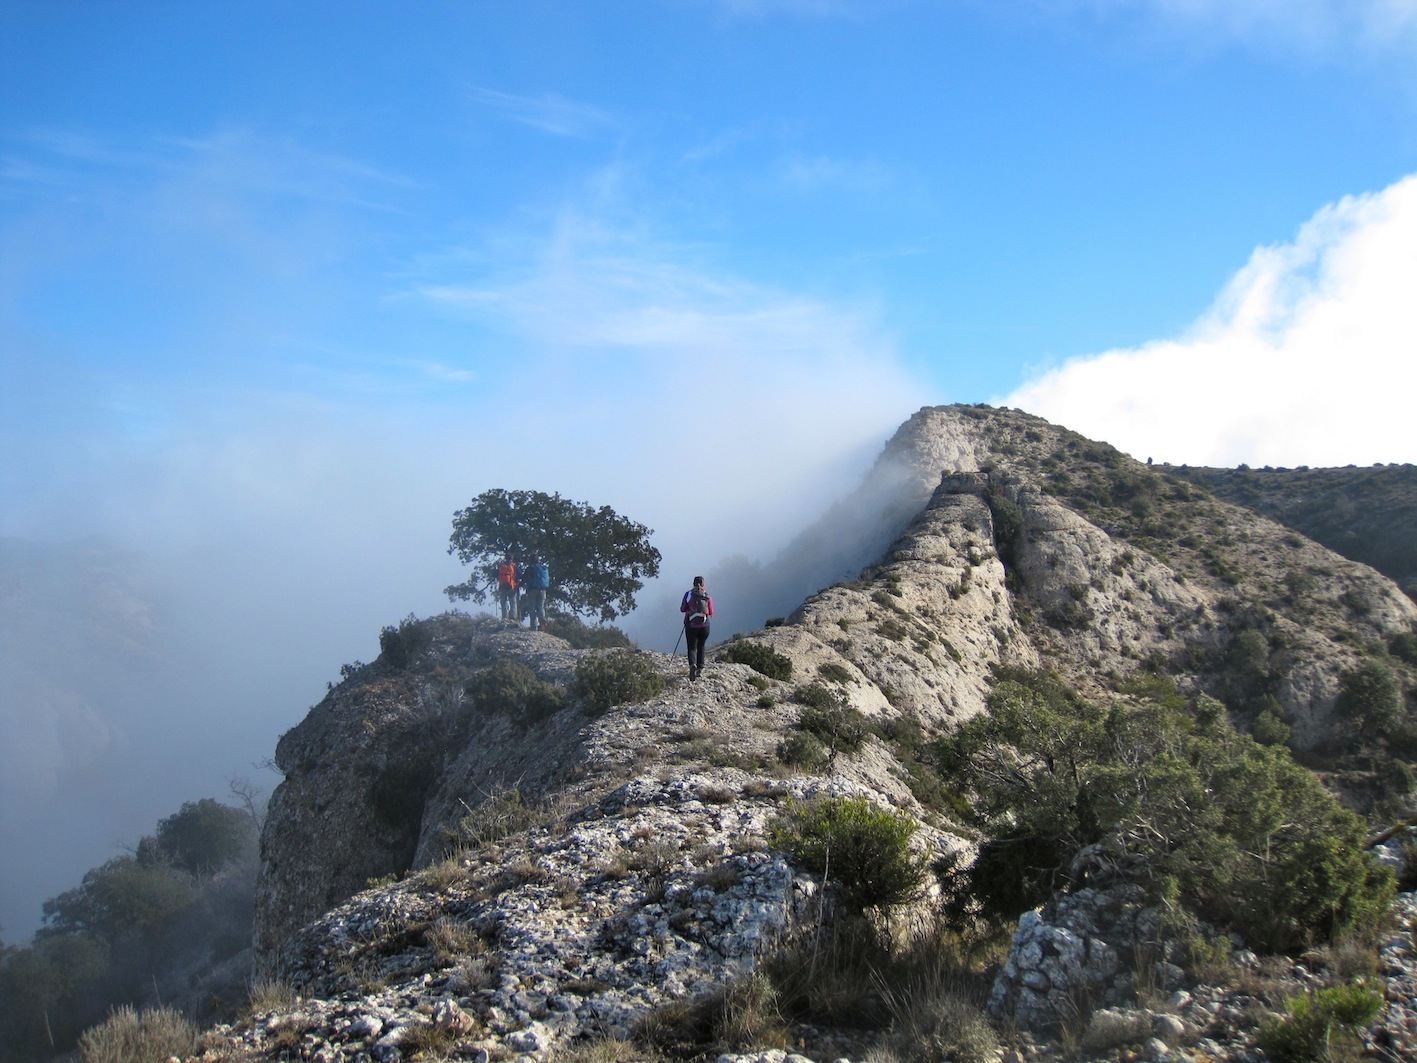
676, 641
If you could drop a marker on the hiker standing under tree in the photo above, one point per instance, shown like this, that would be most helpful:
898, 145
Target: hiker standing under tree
697, 607
507, 586
538, 579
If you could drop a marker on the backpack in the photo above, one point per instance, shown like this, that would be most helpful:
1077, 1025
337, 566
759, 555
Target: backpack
507, 574
539, 576
698, 609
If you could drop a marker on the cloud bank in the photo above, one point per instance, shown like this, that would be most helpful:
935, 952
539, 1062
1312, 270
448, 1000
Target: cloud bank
1308, 356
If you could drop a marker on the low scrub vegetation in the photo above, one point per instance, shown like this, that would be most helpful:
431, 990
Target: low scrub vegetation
1320, 1026
799, 749
400, 646
501, 815
1215, 824
762, 659
604, 680
861, 850
837, 726
583, 636
130, 1036
511, 688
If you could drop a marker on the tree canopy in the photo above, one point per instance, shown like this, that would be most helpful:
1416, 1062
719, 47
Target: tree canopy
598, 559
201, 837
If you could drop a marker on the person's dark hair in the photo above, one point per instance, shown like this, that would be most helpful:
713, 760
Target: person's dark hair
698, 581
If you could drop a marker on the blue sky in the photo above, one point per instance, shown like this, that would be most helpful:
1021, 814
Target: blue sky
283, 285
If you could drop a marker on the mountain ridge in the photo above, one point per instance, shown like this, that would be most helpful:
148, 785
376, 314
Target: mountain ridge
1014, 544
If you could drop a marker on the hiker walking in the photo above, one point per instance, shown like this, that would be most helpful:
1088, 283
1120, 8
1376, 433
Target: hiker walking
507, 586
697, 607
538, 579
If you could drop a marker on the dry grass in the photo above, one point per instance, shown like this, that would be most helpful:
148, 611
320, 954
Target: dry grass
268, 994
451, 941
447, 874
129, 1036
733, 1018
429, 1041
609, 1050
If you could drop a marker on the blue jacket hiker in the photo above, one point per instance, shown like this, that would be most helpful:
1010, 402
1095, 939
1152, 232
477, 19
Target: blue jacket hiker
697, 607
537, 579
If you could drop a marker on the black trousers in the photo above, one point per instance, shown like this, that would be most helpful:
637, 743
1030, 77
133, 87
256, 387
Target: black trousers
694, 638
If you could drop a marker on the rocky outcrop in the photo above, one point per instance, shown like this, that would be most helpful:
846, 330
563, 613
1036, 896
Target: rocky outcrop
1087, 948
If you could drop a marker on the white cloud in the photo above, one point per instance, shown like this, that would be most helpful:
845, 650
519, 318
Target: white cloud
1309, 356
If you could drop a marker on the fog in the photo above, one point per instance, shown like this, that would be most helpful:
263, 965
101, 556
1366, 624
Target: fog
169, 608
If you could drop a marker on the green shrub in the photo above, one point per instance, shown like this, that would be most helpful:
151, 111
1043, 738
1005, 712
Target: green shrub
583, 636
1404, 647
1306, 1034
511, 688
803, 750
816, 696
864, 850
1207, 960
838, 726
834, 673
1371, 696
1008, 525
762, 659
892, 629
1242, 834
400, 646
129, 1036
1270, 728
604, 680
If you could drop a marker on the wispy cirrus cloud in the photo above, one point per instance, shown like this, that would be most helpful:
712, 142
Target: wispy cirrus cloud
1309, 356
235, 157
804, 172
548, 112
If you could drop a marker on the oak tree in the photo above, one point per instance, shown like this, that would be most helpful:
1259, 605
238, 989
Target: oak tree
598, 559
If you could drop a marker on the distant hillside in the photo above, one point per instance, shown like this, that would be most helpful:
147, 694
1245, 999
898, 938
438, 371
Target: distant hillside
1367, 514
